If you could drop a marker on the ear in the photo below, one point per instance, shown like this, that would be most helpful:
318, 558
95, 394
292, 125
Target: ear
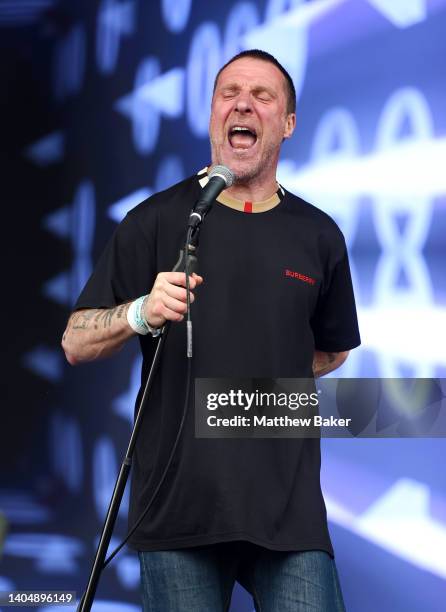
290, 124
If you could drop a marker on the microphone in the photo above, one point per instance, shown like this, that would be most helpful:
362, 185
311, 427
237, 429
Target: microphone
220, 178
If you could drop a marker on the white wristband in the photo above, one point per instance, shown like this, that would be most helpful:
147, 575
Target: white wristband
137, 320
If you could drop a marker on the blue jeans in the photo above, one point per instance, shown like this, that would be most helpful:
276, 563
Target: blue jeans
201, 579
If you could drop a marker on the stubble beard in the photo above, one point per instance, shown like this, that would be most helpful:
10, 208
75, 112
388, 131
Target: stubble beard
246, 173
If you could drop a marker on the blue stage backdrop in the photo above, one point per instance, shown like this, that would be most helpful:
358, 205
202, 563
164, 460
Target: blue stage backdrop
106, 102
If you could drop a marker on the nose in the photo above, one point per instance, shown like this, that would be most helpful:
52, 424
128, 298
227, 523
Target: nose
243, 103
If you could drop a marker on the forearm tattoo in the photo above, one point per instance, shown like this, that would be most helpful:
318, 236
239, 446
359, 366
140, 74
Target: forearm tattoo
98, 317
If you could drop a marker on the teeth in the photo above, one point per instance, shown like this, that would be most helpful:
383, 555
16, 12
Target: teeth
239, 129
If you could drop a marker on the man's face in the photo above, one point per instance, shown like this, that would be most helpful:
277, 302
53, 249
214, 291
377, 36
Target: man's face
249, 119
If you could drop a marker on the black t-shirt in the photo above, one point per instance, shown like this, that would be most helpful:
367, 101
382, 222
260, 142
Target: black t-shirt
276, 286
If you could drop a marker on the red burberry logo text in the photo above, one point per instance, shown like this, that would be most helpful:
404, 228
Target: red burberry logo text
299, 276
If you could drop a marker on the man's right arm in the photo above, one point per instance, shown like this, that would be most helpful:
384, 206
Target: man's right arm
93, 333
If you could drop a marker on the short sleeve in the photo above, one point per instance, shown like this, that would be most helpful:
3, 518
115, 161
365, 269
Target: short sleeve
125, 270
335, 322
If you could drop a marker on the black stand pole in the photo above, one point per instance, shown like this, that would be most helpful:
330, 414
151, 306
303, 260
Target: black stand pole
121, 481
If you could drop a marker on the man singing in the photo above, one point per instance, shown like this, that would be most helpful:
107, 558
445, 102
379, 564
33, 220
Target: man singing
273, 298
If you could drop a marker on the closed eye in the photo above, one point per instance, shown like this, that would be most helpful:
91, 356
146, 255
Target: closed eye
229, 93
263, 95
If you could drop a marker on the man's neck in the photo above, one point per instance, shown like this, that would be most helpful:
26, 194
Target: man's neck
252, 192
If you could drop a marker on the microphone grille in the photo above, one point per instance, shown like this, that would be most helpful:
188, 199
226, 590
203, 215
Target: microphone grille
226, 174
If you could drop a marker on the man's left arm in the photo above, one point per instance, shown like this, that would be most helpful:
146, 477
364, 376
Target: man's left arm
323, 362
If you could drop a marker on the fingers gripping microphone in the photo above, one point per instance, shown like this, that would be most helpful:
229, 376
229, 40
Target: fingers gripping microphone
220, 178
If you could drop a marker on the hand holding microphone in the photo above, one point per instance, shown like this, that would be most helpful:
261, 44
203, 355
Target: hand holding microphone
167, 299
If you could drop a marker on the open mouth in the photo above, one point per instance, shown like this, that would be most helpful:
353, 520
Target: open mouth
241, 137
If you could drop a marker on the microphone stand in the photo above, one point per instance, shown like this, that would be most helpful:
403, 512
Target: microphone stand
121, 481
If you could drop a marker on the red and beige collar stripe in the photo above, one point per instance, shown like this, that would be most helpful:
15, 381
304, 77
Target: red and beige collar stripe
244, 206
